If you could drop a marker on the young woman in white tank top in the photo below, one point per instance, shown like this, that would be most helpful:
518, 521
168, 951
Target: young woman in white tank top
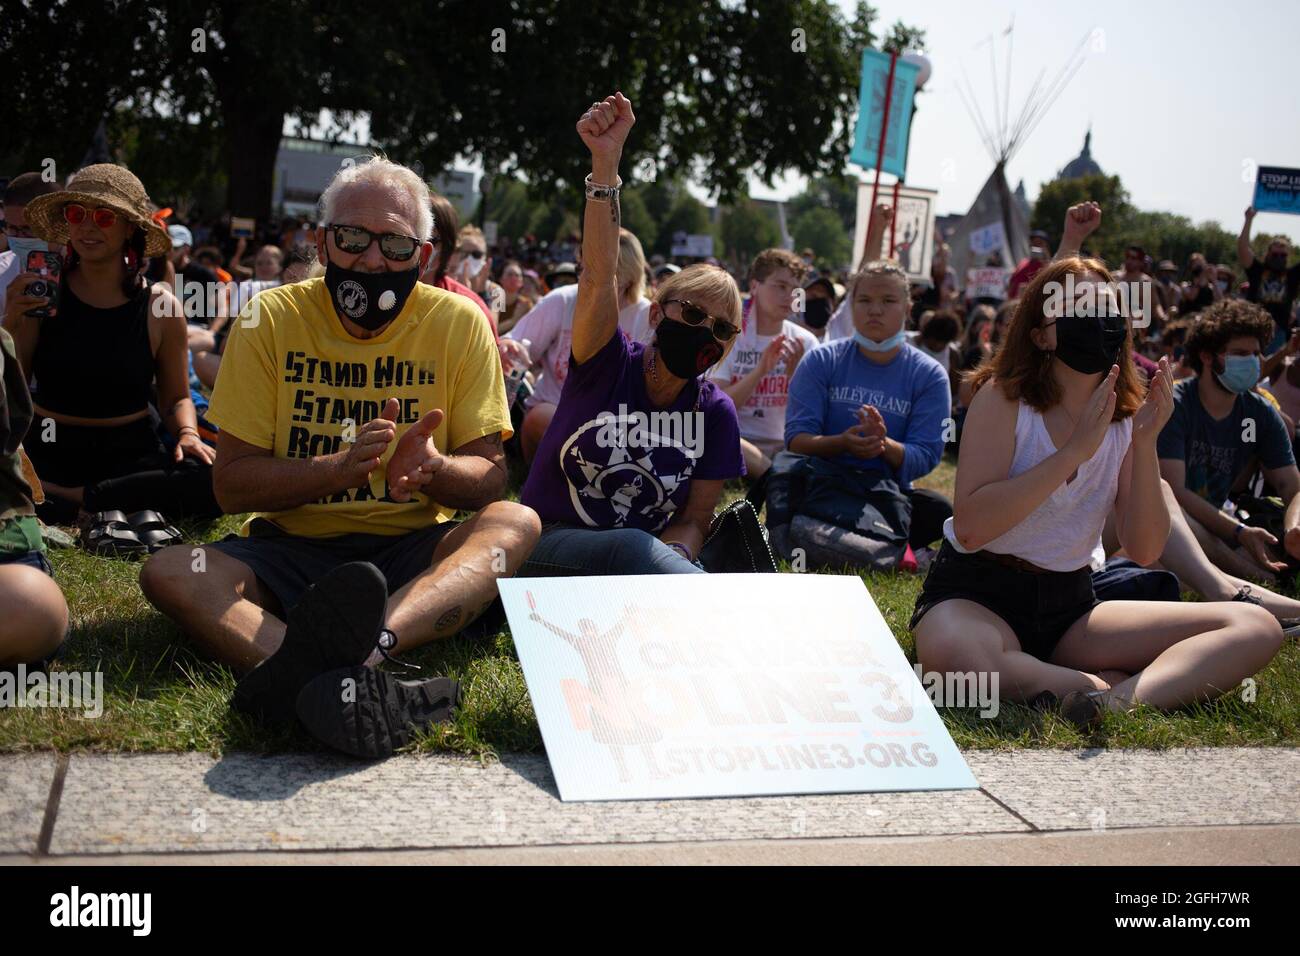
1060, 432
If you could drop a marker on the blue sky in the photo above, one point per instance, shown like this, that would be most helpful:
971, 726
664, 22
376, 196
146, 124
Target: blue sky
1181, 96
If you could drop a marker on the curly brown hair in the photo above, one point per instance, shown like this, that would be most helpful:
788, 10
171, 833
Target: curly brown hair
1023, 371
770, 260
1220, 323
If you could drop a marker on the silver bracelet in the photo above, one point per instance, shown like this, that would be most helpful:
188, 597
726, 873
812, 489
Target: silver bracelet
601, 192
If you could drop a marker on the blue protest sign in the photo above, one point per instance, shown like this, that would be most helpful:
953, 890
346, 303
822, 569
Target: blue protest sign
1277, 189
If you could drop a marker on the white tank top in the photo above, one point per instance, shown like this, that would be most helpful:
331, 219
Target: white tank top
1064, 532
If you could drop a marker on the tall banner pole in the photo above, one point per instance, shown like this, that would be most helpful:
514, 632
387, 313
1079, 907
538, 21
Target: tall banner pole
884, 120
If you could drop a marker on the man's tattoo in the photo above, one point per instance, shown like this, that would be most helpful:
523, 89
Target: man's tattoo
449, 619
494, 440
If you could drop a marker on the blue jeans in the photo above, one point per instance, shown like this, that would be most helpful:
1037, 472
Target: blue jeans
568, 551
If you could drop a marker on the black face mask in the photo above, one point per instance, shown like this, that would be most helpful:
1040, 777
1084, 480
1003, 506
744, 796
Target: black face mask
816, 313
370, 299
1089, 345
687, 349
1276, 261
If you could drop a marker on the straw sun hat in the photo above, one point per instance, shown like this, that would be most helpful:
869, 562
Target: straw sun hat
103, 184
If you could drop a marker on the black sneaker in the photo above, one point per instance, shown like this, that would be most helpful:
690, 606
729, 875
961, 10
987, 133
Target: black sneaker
335, 624
1084, 709
1045, 702
367, 713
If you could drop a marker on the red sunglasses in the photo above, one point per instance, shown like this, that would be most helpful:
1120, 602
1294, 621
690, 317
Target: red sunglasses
103, 217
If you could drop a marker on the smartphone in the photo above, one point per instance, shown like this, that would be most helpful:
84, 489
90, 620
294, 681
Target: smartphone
49, 266
242, 228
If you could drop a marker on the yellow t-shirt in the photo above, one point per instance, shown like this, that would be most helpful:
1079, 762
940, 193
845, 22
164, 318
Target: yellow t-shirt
292, 380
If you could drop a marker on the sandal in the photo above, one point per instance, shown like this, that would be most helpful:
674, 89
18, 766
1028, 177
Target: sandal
109, 535
153, 531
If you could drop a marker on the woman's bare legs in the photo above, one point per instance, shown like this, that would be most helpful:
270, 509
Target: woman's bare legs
1177, 652
959, 636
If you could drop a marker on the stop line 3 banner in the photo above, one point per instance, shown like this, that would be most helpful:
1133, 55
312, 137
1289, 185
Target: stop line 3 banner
661, 686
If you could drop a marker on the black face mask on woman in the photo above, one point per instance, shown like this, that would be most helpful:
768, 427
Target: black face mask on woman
687, 349
370, 299
1089, 345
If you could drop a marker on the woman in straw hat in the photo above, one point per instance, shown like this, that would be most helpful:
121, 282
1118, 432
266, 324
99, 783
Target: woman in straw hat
112, 346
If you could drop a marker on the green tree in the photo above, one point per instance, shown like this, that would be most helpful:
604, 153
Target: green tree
687, 215
637, 218
495, 79
822, 231
838, 193
1060, 194
748, 229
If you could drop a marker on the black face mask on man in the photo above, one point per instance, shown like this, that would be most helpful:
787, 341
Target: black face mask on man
1089, 344
370, 299
817, 313
687, 349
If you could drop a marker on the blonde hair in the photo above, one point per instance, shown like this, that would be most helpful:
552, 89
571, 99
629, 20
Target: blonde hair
881, 267
704, 284
379, 171
471, 231
631, 267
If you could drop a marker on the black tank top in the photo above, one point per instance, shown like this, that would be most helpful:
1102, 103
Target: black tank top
95, 363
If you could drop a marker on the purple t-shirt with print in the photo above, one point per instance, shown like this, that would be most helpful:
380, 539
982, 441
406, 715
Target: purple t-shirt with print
611, 459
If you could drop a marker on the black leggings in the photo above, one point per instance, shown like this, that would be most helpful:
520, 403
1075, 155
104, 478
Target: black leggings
124, 468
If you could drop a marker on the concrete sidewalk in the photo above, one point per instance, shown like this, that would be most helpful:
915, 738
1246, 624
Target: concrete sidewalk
1205, 805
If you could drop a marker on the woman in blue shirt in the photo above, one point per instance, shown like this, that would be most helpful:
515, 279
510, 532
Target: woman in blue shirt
875, 403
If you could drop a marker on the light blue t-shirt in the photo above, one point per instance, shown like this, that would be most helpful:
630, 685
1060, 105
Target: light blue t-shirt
911, 392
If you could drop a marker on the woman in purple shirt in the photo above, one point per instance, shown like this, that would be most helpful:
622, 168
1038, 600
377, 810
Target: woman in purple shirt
631, 467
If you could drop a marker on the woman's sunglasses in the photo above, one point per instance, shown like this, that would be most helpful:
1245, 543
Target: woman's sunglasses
692, 314
103, 217
354, 240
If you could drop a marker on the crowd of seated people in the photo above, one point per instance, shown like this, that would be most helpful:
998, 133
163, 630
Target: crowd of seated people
376, 519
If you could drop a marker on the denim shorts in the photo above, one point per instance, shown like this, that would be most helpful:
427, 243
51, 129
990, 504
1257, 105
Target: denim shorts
33, 559
1039, 608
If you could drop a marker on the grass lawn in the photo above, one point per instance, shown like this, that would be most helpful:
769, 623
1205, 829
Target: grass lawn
162, 696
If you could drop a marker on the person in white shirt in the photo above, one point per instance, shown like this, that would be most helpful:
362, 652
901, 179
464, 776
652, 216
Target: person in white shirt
544, 337
756, 372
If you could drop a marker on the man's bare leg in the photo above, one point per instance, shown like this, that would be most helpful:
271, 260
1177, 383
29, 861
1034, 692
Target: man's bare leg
218, 601
462, 582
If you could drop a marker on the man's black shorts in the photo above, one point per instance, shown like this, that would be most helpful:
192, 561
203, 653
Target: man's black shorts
288, 564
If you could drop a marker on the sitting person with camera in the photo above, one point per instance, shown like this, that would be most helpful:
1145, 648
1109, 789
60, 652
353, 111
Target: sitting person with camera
103, 346
627, 475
